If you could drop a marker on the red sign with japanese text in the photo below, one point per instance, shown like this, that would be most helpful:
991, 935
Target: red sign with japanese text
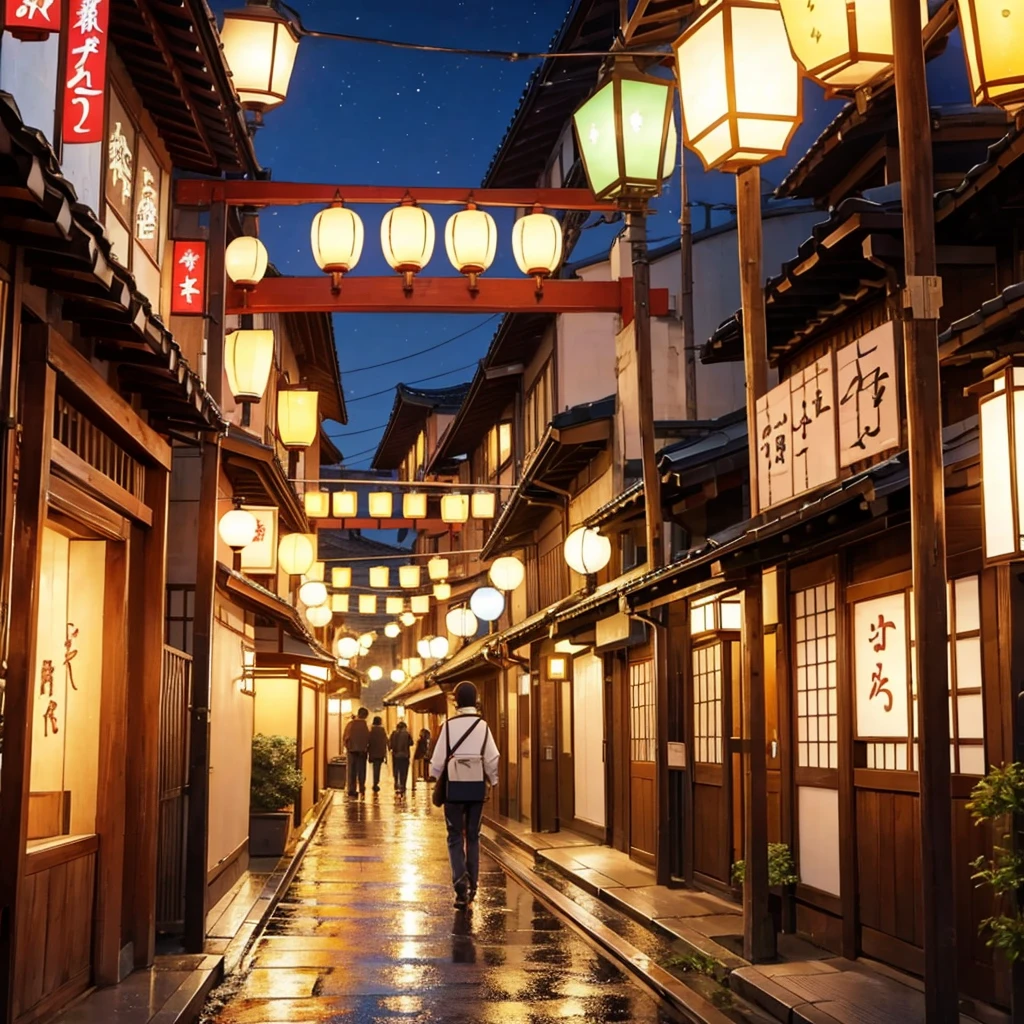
31, 19
188, 297
86, 71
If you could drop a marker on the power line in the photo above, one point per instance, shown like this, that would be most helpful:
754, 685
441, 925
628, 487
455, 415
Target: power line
354, 433
422, 351
365, 451
421, 380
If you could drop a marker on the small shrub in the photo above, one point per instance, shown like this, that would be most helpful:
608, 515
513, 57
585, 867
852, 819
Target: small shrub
695, 963
781, 869
275, 779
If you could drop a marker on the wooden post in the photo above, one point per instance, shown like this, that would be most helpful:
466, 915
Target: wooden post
686, 288
637, 222
758, 929
927, 513
202, 634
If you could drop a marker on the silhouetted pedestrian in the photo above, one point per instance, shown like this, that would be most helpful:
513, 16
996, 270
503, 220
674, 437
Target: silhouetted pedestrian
421, 757
377, 750
357, 741
400, 744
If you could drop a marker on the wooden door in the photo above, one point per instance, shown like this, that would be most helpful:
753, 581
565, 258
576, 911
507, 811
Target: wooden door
588, 739
525, 754
643, 802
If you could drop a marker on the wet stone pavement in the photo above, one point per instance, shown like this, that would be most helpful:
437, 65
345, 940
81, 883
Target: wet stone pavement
367, 932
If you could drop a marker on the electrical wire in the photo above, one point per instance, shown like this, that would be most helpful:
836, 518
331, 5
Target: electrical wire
422, 351
421, 380
365, 451
355, 433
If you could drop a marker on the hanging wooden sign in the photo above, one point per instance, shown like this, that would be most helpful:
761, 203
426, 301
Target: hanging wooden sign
31, 20
86, 74
188, 276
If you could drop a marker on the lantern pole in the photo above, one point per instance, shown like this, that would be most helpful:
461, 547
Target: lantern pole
759, 942
922, 300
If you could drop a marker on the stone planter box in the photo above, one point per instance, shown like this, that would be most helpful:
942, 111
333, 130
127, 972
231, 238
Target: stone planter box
269, 833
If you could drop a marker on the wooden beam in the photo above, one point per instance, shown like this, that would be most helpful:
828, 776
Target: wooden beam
74, 466
437, 295
386, 524
204, 192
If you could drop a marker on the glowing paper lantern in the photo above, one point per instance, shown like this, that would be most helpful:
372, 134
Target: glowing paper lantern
487, 604
420, 604
341, 577
409, 576
537, 244
442, 591
367, 604
461, 622
455, 508
319, 615
380, 503
437, 568
248, 357
423, 647
317, 503
260, 45
313, 593
339, 603
407, 619
380, 576
507, 573
298, 418
366, 640
438, 647
375, 672
337, 240
347, 647
315, 572
237, 528
407, 239
296, 553
397, 675
414, 505
587, 551
483, 504
345, 504
392, 629
394, 605
245, 261
993, 35
471, 240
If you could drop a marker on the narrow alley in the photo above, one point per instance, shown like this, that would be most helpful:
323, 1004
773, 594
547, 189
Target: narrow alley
367, 932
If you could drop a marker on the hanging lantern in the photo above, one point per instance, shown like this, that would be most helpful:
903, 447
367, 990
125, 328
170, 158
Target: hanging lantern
1001, 411
437, 568
245, 261
423, 647
507, 573
248, 357
842, 44
537, 245
482, 504
237, 528
317, 504
380, 576
414, 505
341, 577
461, 622
296, 553
394, 605
397, 675
337, 240
407, 619
439, 647
487, 604
455, 508
409, 576
259, 48
993, 38
366, 640
339, 603
442, 591
626, 133
412, 666
374, 672
586, 551
313, 593
367, 604
392, 629
407, 238
380, 504
557, 667
420, 604
315, 572
471, 240
297, 417
347, 647
739, 84
319, 615
345, 504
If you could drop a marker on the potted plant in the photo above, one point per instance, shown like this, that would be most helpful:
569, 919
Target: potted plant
782, 877
273, 789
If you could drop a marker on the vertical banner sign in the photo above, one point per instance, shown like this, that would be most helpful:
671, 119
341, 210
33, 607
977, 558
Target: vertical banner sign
881, 646
188, 275
31, 20
86, 72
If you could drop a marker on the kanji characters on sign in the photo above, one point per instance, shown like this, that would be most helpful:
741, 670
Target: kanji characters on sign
881, 649
86, 72
869, 416
31, 19
188, 276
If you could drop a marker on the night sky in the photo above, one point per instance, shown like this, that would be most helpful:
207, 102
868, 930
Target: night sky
364, 114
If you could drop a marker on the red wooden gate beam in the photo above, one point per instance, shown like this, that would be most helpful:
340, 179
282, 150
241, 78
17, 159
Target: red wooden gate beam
440, 295
201, 192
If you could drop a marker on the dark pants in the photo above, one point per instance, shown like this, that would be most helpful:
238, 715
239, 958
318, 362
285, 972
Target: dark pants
400, 766
463, 821
376, 773
356, 771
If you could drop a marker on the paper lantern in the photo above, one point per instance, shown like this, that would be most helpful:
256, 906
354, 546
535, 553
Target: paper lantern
482, 504
394, 605
298, 417
366, 640
375, 672
423, 647
345, 504
319, 615
439, 647
420, 604
586, 551
437, 568
339, 603
245, 261
392, 629
487, 604
313, 593
367, 604
259, 45
296, 553
414, 505
993, 37
407, 619
537, 244
1001, 412
507, 573
455, 508
442, 591
461, 622
557, 667
317, 503
407, 239
337, 240
237, 528
380, 504
471, 240
316, 571
341, 577
409, 576
380, 577
739, 84
347, 647
397, 675
248, 358
412, 666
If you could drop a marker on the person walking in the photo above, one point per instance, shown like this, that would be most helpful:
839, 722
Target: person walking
377, 750
400, 744
421, 757
467, 756
357, 741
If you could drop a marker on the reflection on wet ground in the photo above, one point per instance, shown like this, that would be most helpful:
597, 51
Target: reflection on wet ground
367, 932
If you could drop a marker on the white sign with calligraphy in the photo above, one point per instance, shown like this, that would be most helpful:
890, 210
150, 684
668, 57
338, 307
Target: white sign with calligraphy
866, 388
774, 465
880, 645
261, 555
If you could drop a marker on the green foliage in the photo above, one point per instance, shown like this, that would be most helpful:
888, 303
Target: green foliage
695, 963
781, 869
998, 796
275, 779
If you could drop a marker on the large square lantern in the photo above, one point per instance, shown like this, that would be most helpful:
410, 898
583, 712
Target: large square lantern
739, 84
627, 135
260, 45
993, 39
842, 44
1001, 411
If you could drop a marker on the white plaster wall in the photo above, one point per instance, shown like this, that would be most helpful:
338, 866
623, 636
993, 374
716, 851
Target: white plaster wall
586, 358
28, 71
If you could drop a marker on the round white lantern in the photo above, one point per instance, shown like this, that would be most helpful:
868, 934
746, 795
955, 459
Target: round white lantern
487, 604
313, 593
407, 619
392, 629
296, 553
461, 622
248, 357
319, 615
507, 573
245, 261
442, 591
587, 551
366, 640
337, 240
375, 672
439, 647
397, 675
423, 647
471, 239
407, 239
347, 647
537, 244
237, 528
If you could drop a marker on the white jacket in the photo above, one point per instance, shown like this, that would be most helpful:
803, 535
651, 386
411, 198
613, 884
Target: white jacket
452, 731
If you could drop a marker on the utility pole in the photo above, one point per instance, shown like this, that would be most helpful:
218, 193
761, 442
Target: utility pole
686, 288
922, 300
